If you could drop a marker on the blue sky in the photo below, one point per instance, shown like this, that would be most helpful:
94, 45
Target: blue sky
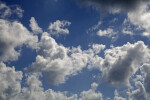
74, 50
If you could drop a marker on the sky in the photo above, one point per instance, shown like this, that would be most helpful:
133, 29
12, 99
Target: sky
74, 50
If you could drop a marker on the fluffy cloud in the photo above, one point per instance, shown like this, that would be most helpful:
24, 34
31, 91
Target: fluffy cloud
58, 62
34, 26
58, 27
117, 96
9, 82
7, 11
113, 5
12, 36
108, 32
120, 63
140, 18
91, 94
35, 91
11, 89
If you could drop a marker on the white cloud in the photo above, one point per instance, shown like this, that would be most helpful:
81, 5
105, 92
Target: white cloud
140, 17
117, 96
57, 28
120, 63
108, 32
10, 82
34, 26
7, 11
11, 89
58, 62
13, 35
91, 94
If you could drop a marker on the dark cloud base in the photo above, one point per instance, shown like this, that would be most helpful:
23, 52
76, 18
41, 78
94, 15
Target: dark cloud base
122, 5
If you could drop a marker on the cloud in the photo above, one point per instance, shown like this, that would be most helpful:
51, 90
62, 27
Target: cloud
12, 89
10, 82
57, 28
140, 93
146, 71
140, 18
109, 32
113, 6
57, 62
117, 96
12, 36
35, 91
120, 63
34, 26
7, 11
91, 94
137, 94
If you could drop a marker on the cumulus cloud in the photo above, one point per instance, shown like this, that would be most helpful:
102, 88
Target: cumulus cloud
120, 63
117, 96
9, 82
34, 26
35, 91
113, 6
109, 32
7, 11
57, 28
12, 36
11, 88
140, 18
58, 62
91, 94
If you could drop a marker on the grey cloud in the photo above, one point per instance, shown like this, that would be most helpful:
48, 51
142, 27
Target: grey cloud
113, 5
140, 93
121, 63
146, 70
